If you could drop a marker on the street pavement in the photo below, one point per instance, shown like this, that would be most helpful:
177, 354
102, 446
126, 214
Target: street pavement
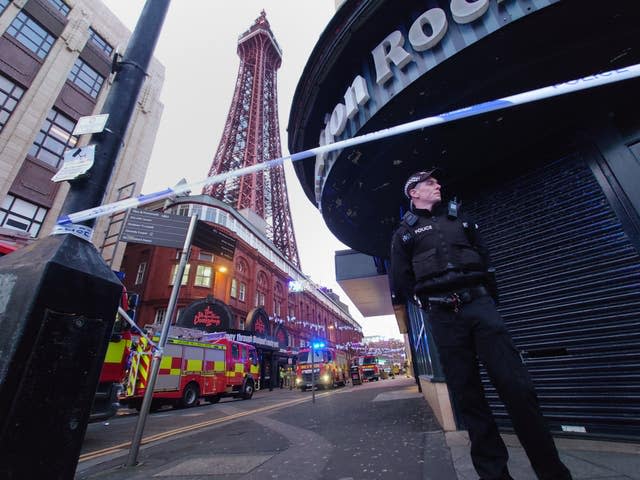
379, 430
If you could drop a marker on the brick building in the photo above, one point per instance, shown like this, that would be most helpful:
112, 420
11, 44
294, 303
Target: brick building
259, 295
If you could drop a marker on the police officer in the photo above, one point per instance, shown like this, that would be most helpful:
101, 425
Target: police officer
438, 258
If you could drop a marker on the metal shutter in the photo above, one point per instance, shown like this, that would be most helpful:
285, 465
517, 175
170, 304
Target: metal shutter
570, 295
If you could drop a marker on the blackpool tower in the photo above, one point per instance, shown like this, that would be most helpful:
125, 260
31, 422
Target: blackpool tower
251, 135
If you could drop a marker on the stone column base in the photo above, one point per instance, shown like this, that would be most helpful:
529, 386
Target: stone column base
437, 396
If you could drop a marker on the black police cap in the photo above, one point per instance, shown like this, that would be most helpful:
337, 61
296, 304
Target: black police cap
418, 177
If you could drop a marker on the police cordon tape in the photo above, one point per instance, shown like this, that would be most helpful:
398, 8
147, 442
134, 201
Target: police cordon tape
570, 86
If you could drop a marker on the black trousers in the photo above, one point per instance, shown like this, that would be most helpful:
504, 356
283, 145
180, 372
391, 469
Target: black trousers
475, 332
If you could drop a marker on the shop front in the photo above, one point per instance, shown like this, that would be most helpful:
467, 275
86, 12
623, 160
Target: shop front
271, 341
552, 183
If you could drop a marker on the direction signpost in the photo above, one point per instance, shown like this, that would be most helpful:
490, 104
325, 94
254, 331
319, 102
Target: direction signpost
155, 228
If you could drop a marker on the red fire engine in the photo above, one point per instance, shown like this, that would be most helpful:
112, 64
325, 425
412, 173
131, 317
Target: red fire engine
193, 366
330, 367
105, 402
6, 248
369, 366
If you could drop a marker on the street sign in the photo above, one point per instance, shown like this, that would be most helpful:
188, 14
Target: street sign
77, 162
213, 240
91, 124
155, 228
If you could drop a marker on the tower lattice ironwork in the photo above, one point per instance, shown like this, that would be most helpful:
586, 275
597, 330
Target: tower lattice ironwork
252, 135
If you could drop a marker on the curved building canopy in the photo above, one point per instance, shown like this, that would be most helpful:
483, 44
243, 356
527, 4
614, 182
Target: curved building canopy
380, 63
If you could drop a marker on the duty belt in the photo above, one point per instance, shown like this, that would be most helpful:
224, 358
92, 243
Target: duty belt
455, 299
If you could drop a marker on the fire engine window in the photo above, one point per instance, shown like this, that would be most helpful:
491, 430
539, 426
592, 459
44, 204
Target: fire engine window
235, 351
253, 357
329, 356
243, 353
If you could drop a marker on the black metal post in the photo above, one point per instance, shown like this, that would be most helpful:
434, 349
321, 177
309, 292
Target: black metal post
120, 105
58, 301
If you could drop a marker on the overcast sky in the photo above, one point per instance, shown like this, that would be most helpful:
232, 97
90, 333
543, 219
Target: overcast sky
198, 49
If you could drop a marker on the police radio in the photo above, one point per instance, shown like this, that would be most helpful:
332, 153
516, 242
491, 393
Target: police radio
452, 210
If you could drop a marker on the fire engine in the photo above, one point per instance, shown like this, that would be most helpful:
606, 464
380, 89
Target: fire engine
369, 366
105, 401
5, 249
194, 365
330, 367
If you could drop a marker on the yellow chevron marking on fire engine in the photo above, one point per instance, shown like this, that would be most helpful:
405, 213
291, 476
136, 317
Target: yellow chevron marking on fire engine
139, 369
161, 436
218, 366
194, 365
239, 367
165, 362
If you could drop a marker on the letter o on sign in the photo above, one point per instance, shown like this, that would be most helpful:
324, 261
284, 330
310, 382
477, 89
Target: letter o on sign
437, 20
338, 120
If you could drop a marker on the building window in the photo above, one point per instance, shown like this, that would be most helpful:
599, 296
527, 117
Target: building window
160, 313
242, 293
234, 288
276, 307
259, 299
22, 215
54, 138
31, 34
86, 78
10, 95
100, 42
4, 4
142, 268
60, 6
183, 210
185, 275
205, 257
203, 276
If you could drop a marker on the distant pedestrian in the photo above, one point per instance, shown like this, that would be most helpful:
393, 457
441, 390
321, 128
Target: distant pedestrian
292, 377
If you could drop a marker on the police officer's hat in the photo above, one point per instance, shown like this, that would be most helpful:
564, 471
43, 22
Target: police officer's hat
418, 177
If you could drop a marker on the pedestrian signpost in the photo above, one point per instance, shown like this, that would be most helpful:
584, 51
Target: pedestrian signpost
155, 228
315, 345
146, 228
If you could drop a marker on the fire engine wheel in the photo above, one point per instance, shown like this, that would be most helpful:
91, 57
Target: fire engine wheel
190, 395
247, 389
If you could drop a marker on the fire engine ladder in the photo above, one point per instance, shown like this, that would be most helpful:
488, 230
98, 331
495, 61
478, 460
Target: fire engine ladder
115, 225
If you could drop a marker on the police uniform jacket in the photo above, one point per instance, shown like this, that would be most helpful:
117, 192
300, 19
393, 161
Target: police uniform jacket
434, 254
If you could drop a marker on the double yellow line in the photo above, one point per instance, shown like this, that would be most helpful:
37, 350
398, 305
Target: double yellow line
189, 428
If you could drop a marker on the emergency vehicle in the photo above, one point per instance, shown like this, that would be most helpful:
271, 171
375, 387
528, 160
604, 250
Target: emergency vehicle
369, 366
114, 368
331, 368
194, 365
6, 248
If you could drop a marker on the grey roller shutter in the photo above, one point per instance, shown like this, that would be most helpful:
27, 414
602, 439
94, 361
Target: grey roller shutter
570, 295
